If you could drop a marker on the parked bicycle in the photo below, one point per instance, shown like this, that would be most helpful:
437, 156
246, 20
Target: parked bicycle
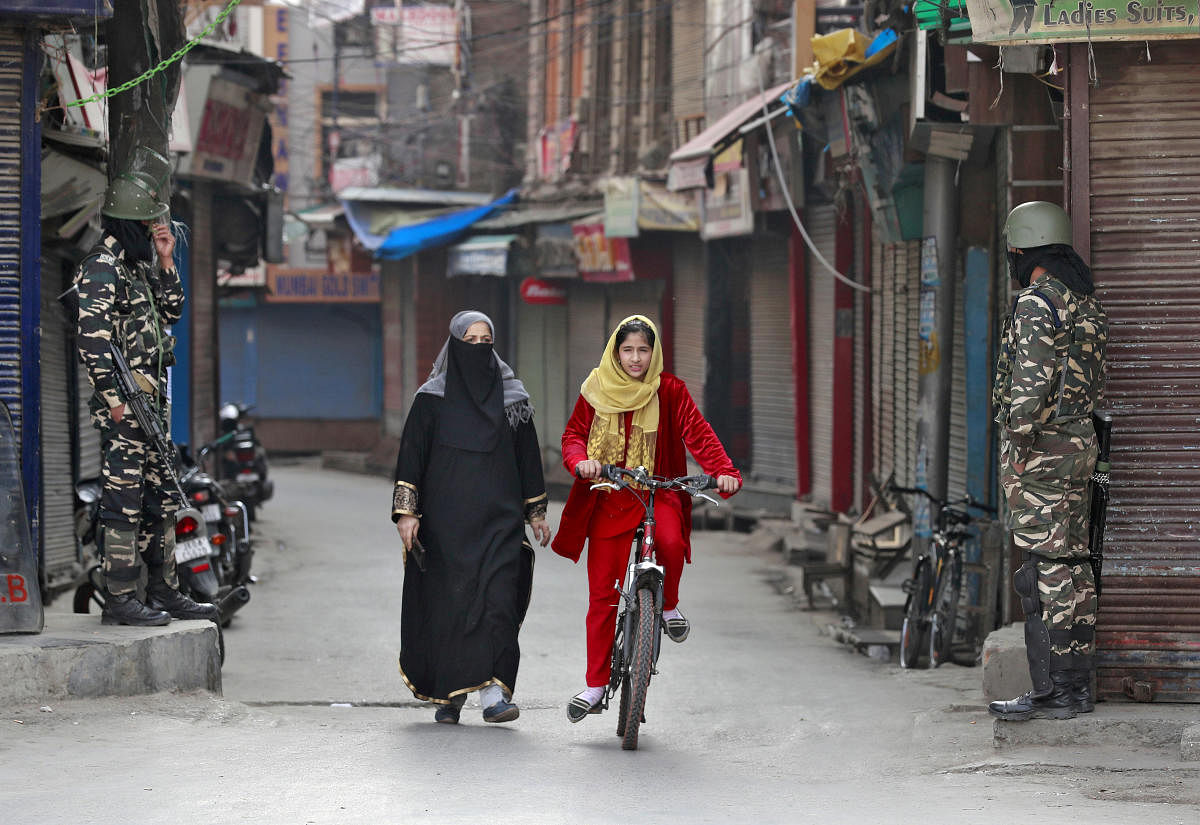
639, 624
931, 609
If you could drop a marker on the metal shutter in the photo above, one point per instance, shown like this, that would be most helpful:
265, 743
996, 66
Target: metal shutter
12, 66
586, 333
773, 398
956, 475
691, 296
632, 298
58, 501
883, 356
1144, 204
821, 223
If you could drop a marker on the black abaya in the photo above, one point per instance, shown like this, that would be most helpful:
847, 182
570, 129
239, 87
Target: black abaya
461, 614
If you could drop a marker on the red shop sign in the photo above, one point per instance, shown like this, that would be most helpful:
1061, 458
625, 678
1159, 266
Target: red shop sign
601, 258
538, 291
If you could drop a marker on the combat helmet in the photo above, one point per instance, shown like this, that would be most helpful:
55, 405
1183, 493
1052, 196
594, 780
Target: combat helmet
1037, 223
140, 192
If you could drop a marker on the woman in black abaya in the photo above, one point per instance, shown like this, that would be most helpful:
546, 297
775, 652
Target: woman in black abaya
468, 477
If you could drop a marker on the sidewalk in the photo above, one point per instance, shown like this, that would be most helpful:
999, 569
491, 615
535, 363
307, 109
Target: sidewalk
76, 657
1171, 729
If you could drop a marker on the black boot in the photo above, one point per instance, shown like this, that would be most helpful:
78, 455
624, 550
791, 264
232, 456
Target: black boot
1081, 689
162, 597
1058, 704
126, 609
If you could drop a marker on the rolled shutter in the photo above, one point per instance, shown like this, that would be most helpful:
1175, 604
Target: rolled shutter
821, 222
772, 393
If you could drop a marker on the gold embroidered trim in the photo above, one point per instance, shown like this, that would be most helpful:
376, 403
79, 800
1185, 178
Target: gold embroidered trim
404, 500
461, 692
535, 508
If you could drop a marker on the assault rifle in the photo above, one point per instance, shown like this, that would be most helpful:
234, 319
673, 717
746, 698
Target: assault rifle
139, 402
1099, 494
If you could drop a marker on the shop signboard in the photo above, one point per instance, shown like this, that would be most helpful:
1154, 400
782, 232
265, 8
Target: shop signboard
230, 131
542, 292
621, 207
554, 251
726, 207
661, 210
1046, 21
601, 258
294, 285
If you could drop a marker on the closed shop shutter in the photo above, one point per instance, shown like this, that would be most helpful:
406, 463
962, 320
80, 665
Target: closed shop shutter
691, 295
956, 476
895, 359
632, 298
58, 501
541, 363
820, 221
883, 356
587, 332
772, 392
1143, 185
860, 360
12, 62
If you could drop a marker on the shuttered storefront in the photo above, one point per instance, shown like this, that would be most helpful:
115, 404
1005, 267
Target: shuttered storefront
58, 510
587, 332
1144, 188
895, 359
691, 296
821, 223
772, 392
956, 475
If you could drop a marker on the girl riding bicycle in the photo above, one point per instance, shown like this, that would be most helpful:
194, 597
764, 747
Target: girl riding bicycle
630, 413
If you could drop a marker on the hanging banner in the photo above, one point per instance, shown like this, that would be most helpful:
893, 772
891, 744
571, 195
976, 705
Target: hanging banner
621, 207
601, 258
1031, 21
726, 207
664, 211
230, 129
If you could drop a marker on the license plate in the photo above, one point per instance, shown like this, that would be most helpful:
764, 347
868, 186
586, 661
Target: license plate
191, 549
212, 512
247, 476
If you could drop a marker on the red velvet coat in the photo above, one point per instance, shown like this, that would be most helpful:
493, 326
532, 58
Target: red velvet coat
680, 424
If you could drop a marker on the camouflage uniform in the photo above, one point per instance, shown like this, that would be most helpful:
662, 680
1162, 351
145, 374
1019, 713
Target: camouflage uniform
129, 305
1049, 379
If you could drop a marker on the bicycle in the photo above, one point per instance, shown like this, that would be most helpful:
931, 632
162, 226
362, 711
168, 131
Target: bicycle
931, 609
636, 645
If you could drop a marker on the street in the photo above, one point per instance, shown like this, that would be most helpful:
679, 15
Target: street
757, 718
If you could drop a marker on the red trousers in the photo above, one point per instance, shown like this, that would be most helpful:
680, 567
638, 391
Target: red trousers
607, 560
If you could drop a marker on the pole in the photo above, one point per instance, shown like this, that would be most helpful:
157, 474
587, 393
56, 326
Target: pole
936, 330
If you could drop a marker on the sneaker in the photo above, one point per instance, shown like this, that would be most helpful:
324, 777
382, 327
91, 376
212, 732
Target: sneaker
677, 628
502, 711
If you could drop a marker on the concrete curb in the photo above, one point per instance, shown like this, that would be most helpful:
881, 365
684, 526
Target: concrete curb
76, 657
1116, 724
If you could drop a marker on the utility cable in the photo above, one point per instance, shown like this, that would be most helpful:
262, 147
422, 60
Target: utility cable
787, 194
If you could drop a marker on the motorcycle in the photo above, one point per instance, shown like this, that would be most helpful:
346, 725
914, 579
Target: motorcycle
244, 460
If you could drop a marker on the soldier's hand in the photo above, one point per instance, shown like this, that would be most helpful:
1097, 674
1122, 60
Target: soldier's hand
407, 528
117, 413
164, 244
541, 531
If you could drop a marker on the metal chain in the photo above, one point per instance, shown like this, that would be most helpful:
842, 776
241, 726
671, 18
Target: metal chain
187, 47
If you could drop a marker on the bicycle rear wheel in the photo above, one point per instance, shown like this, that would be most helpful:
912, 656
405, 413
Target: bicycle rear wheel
640, 665
945, 613
913, 629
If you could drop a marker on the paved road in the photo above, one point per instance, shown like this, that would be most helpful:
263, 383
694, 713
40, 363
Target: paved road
755, 719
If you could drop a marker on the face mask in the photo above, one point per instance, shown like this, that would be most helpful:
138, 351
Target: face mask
1020, 268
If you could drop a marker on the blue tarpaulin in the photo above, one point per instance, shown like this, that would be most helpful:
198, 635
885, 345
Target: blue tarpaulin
408, 240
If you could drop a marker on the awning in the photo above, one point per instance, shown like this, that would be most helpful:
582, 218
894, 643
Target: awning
480, 255
321, 217
525, 216
427, 234
689, 162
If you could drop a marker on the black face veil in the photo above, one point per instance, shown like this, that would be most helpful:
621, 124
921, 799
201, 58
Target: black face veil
473, 410
1060, 260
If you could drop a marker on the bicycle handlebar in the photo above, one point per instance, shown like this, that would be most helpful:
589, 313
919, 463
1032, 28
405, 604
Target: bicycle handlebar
692, 485
966, 500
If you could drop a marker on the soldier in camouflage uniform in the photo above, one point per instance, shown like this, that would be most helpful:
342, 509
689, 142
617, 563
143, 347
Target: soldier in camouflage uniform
1048, 380
124, 299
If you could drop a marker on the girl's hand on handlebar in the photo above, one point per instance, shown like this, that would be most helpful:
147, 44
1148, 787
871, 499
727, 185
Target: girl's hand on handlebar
541, 531
728, 484
407, 528
588, 469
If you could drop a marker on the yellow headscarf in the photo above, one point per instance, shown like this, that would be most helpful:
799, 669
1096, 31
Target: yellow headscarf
612, 393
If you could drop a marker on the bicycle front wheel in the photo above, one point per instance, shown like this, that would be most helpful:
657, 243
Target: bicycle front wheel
913, 629
945, 613
640, 664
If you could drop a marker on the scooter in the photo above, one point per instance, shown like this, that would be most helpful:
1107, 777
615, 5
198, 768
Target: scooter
243, 459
